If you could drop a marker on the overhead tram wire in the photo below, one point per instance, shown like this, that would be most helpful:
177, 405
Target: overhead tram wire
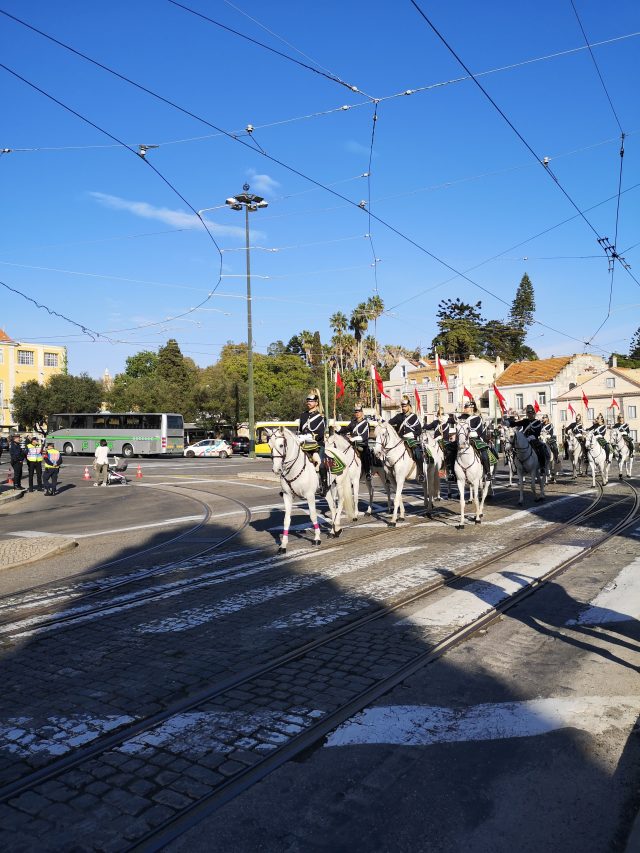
540, 160
151, 166
374, 121
289, 168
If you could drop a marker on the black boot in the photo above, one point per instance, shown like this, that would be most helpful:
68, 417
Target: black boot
323, 487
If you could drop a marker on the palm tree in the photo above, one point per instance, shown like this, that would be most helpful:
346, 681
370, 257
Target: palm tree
339, 324
306, 341
358, 324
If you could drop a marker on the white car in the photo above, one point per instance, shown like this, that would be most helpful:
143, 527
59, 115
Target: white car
210, 447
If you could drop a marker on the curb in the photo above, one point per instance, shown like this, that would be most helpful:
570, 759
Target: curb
59, 548
7, 497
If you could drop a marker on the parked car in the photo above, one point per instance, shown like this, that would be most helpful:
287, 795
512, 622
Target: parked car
240, 444
209, 447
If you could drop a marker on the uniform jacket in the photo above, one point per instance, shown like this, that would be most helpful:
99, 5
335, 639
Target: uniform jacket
530, 426
52, 459
359, 430
599, 429
34, 453
312, 422
575, 427
407, 426
547, 429
623, 428
476, 424
16, 453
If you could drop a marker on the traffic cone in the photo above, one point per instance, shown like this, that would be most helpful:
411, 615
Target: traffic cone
87, 475
10, 477
139, 472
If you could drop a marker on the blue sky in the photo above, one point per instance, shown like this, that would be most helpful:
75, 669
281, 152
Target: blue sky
91, 231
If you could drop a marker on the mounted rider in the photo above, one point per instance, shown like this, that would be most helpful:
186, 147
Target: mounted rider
574, 428
477, 434
599, 429
444, 430
357, 432
407, 425
532, 427
625, 431
547, 429
311, 434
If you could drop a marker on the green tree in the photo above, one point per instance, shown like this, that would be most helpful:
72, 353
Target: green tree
521, 316
460, 332
141, 364
634, 347
67, 393
29, 405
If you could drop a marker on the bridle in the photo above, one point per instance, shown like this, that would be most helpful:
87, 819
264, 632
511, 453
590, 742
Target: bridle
517, 450
287, 467
382, 441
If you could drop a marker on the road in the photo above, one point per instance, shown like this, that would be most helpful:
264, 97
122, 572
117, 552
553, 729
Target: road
173, 658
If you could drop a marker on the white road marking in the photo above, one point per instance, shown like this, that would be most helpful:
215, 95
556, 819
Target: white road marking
423, 725
464, 606
619, 601
166, 522
196, 616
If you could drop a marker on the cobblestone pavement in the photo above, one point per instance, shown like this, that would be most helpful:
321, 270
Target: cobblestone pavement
20, 550
197, 625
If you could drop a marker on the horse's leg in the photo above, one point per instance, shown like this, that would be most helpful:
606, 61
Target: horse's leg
288, 506
369, 480
541, 483
520, 472
483, 497
313, 513
460, 483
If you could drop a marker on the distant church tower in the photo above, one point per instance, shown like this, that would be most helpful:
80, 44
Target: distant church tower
107, 381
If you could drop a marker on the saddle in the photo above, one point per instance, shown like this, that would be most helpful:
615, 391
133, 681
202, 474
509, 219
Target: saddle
480, 445
334, 463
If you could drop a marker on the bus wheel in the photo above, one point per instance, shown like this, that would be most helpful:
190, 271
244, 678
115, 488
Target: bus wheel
127, 451
68, 449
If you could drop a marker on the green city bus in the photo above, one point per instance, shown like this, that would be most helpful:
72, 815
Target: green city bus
126, 433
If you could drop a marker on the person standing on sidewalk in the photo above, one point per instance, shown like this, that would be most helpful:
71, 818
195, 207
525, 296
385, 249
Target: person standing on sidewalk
34, 462
101, 463
52, 463
17, 456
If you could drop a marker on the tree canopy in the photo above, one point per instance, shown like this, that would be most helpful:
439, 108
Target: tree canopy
32, 403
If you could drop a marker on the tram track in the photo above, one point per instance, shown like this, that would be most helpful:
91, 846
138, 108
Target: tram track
218, 694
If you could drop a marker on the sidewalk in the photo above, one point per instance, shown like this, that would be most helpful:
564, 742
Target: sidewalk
18, 550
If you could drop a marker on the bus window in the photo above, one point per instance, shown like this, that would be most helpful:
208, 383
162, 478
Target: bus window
131, 421
79, 422
58, 422
174, 422
114, 422
150, 421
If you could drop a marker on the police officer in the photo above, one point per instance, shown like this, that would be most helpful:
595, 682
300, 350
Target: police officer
34, 462
547, 429
599, 428
357, 431
407, 425
477, 433
532, 427
311, 429
625, 430
52, 463
17, 456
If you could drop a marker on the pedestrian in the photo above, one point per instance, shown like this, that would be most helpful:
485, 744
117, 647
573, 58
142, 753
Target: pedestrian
52, 462
17, 456
101, 463
34, 462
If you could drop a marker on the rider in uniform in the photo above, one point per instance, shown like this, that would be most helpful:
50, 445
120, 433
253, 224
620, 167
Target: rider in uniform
532, 427
357, 431
625, 431
477, 433
599, 428
407, 425
444, 429
575, 428
547, 429
311, 429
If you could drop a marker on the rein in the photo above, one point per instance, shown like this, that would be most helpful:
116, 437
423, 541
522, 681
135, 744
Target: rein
285, 471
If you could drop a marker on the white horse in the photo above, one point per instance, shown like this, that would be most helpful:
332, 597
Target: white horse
434, 461
299, 478
527, 465
553, 467
623, 454
577, 454
506, 434
399, 465
468, 469
353, 471
597, 457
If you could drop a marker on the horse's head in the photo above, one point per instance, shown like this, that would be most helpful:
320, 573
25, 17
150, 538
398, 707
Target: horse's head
462, 433
519, 440
277, 441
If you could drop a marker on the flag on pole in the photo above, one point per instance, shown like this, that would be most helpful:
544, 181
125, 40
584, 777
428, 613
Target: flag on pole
585, 400
572, 410
466, 392
613, 404
440, 369
418, 402
536, 407
339, 386
501, 399
378, 380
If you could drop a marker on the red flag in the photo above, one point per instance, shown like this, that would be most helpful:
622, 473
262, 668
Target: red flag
613, 404
440, 369
536, 407
418, 402
467, 393
339, 386
378, 380
501, 399
585, 400
572, 410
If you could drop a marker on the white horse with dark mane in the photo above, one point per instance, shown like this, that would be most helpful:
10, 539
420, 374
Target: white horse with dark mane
552, 467
623, 455
576, 451
353, 470
399, 465
468, 469
299, 478
433, 462
506, 434
597, 456
527, 465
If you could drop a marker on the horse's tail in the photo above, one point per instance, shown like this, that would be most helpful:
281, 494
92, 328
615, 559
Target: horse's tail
346, 493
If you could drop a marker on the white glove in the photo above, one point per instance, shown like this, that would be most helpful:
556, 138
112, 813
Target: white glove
409, 435
306, 438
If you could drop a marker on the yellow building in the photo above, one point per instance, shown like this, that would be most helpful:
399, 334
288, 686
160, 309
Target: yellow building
21, 362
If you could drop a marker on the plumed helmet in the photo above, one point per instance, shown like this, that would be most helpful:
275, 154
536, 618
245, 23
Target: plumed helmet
620, 418
600, 419
578, 418
405, 401
470, 404
531, 412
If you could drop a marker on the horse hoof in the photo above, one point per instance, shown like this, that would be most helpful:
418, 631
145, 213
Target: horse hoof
316, 543
282, 550
355, 519
459, 526
539, 500
336, 533
477, 521
392, 524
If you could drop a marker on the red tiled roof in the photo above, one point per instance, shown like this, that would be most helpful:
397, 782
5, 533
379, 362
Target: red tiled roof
527, 372
4, 336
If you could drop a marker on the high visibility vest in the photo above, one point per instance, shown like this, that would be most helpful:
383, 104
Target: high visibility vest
52, 459
34, 453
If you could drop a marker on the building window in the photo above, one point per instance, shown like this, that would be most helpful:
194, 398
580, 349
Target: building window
634, 434
631, 412
563, 415
519, 401
1, 356
449, 396
542, 398
590, 414
51, 359
26, 356
404, 371
610, 382
398, 392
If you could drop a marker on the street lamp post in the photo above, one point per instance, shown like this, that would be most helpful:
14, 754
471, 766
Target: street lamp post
250, 203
